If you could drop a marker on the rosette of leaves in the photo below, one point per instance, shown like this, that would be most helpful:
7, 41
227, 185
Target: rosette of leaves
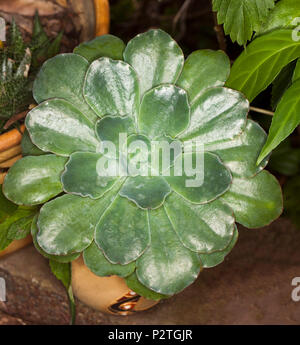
154, 231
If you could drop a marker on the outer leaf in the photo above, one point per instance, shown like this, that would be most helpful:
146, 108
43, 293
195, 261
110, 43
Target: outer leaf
135, 285
21, 228
105, 45
146, 191
120, 97
7, 208
166, 267
203, 69
285, 119
63, 76
62, 258
98, 264
67, 223
59, 127
282, 16
34, 180
122, 232
240, 154
28, 147
218, 114
214, 259
202, 228
257, 201
242, 17
214, 179
164, 110
82, 176
259, 64
62, 272
296, 75
156, 57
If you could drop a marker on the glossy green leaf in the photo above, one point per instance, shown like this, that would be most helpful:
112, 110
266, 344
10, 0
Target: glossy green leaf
167, 267
203, 228
101, 46
216, 115
256, 201
122, 232
67, 223
120, 97
7, 208
110, 127
98, 264
135, 285
63, 272
28, 147
258, 65
59, 127
146, 191
285, 119
164, 110
209, 180
34, 180
62, 77
203, 69
82, 175
283, 15
156, 58
240, 154
296, 75
214, 259
62, 258
242, 17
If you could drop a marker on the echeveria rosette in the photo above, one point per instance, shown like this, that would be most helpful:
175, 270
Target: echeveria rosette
152, 230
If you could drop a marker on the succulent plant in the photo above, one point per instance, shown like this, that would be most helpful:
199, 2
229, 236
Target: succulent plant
155, 230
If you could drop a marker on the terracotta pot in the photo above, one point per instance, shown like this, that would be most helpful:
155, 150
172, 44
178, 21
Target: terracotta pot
107, 294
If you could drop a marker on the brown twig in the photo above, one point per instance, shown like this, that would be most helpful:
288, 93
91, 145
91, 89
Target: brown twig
220, 33
14, 119
181, 16
262, 111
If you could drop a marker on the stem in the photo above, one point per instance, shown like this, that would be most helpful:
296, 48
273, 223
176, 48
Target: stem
262, 111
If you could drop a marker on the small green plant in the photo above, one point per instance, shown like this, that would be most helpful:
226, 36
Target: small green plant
155, 231
19, 63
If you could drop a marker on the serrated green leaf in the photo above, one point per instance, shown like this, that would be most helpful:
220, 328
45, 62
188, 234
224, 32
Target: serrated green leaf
164, 110
7, 208
38, 34
47, 84
204, 228
101, 46
95, 260
156, 58
67, 223
258, 65
135, 285
285, 119
107, 98
203, 69
166, 267
59, 127
283, 15
242, 17
34, 180
256, 201
122, 232
21, 228
54, 46
214, 259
